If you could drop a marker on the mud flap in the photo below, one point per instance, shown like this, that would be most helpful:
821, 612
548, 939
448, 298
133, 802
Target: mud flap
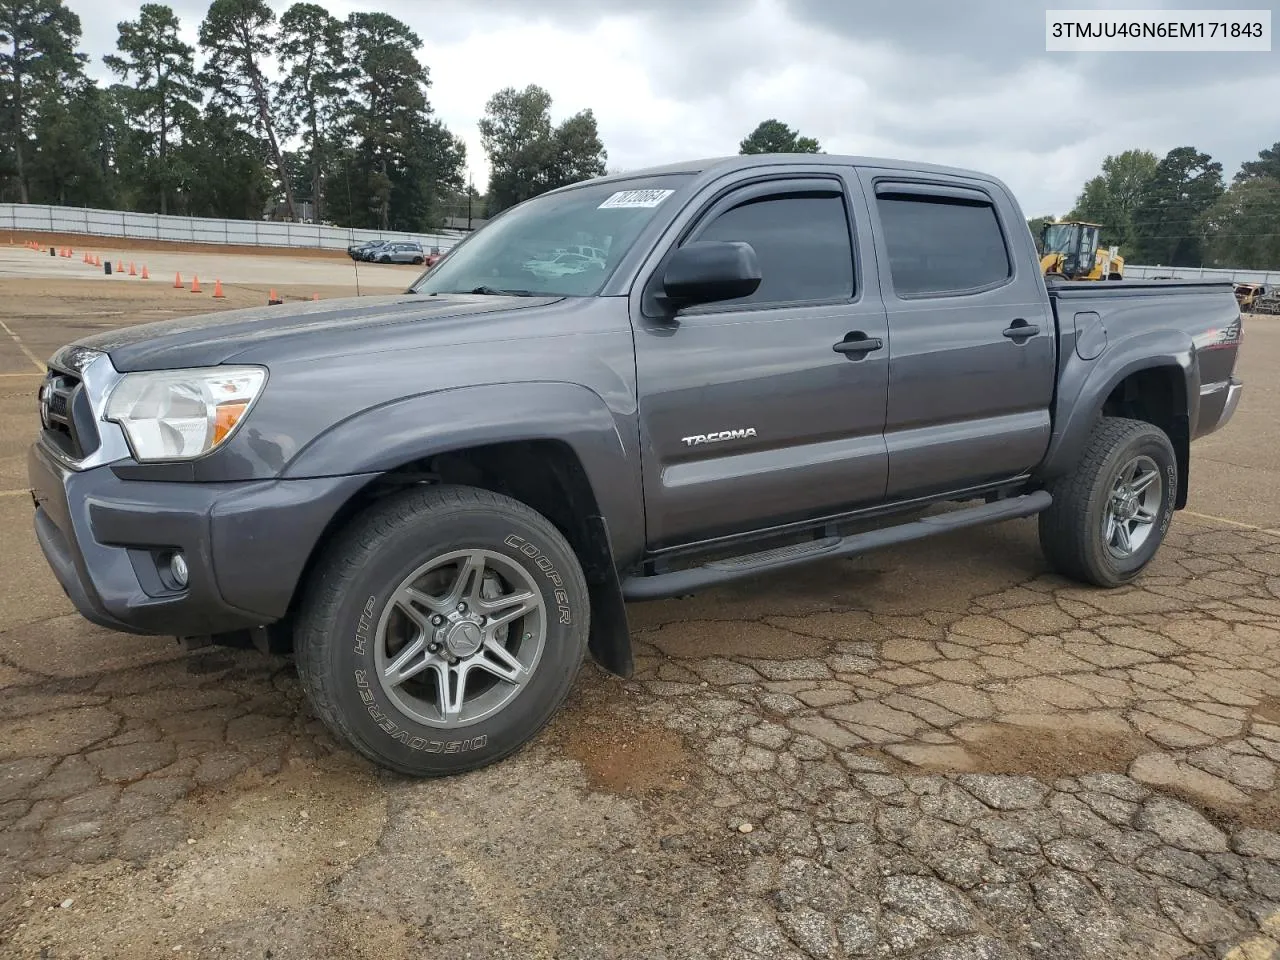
610, 638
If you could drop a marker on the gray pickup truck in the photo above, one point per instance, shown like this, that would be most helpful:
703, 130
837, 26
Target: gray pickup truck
440, 500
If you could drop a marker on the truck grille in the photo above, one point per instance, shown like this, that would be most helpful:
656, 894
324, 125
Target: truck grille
66, 416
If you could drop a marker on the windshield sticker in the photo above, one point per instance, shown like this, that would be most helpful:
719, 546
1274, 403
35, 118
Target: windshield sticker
635, 198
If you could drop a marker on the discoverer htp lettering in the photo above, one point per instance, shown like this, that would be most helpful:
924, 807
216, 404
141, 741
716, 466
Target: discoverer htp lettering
425, 744
698, 439
365, 624
543, 563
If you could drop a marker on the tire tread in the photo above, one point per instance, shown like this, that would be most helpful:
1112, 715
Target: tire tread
348, 553
1065, 536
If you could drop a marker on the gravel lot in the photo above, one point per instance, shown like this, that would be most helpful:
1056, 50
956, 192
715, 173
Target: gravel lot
940, 751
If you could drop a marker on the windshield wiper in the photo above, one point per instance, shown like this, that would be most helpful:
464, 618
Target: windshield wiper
496, 292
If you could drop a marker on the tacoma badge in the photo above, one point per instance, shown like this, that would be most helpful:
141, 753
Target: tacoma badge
698, 439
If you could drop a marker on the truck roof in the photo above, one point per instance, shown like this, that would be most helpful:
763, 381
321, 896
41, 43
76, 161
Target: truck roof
740, 162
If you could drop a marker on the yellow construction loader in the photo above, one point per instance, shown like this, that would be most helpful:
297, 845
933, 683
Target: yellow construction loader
1070, 250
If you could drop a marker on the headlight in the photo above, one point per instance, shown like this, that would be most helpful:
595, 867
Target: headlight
181, 414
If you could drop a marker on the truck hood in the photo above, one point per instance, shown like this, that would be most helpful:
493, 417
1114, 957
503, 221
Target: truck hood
214, 338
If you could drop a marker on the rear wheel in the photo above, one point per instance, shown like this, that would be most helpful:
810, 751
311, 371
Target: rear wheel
442, 630
1110, 514
384, 259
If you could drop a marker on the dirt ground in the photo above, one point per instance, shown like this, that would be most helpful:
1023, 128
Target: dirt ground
185, 263
938, 751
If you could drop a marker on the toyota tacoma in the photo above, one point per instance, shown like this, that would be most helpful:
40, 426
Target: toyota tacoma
439, 501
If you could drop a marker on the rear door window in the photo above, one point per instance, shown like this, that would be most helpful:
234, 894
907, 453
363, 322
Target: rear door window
942, 245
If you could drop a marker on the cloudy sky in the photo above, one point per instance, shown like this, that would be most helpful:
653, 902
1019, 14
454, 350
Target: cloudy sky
966, 83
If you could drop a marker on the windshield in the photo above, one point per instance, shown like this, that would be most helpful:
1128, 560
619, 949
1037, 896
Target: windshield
563, 244
1059, 238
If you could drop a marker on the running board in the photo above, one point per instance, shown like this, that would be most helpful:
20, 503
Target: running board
679, 582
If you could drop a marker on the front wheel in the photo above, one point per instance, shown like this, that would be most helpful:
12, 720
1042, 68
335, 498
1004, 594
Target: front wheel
384, 259
442, 629
417, 261
1110, 514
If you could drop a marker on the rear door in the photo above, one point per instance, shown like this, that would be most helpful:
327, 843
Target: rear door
748, 413
972, 376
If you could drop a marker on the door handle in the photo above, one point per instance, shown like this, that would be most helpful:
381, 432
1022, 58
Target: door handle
858, 345
1020, 330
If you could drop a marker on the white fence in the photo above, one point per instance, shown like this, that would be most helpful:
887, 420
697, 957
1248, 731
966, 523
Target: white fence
43, 218
1135, 272
152, 226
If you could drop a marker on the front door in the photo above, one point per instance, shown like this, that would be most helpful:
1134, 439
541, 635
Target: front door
764, 409
973, 337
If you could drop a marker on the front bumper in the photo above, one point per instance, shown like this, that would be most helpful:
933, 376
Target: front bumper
246, 544
1218, 402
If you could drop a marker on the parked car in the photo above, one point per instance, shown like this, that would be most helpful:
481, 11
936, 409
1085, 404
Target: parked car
563, 264
356, 251
369, 251
398, 252
594, 253
440, 500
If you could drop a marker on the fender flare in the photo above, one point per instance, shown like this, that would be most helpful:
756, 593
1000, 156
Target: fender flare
1084, 386
383, 438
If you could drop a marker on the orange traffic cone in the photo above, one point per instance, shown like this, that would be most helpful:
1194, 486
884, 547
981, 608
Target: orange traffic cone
119, 266
177, 281
272, 299
195, 284
145, 275
132, 272
217, 290
315, 296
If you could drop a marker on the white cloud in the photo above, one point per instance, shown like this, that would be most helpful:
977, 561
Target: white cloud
968, 85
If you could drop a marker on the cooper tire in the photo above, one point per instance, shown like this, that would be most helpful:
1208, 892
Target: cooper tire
1080, 533
344, 635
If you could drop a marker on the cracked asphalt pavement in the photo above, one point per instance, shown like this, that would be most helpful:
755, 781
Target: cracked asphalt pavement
941, 751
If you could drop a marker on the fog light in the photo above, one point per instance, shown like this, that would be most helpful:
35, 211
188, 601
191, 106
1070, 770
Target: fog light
178, 569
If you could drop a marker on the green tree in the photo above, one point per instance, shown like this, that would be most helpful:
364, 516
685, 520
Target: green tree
1267, 165
38, 41
162, 95
1244, 225
1036, 225
72, 162
529, 156
1110, 198
1168, 221
404, 160
774, 136
224, 174
580, 154
235, 35
315, 89
126, 146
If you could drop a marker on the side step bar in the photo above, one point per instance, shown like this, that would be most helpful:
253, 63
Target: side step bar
679, 582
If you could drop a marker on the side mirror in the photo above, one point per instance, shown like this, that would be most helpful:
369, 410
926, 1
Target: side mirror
709, 271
